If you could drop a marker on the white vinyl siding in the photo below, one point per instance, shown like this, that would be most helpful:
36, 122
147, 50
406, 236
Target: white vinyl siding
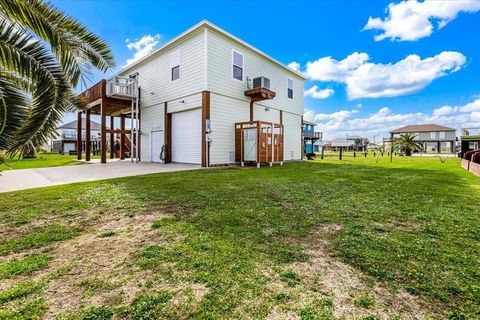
187, 137
220, 74
268, 114
155, 72
224, 113
175, 62
293, 138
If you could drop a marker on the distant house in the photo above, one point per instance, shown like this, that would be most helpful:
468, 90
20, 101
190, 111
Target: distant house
350, 143
311, 139
66, 139
434, 138
470, 139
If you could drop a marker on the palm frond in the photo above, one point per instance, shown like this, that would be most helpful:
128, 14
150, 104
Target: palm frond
77, 48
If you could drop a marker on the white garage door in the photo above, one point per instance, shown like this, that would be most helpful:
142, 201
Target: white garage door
69, 146
186, 136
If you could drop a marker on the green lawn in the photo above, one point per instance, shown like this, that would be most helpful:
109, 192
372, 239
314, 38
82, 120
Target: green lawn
42, 160
319, 240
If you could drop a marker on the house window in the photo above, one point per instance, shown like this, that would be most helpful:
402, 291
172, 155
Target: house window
442, 134
290, 88
237, 65
432, 135
175, 65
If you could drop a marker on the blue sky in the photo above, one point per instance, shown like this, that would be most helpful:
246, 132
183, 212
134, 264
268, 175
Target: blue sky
380, 86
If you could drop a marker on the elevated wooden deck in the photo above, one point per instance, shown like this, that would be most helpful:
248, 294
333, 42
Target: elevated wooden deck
96, 96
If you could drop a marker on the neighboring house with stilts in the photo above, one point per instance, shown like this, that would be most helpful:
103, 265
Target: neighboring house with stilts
433, 137
65, 141
310, 137
205, 97
470, 139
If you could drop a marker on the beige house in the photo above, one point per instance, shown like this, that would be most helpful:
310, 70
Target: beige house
433, 137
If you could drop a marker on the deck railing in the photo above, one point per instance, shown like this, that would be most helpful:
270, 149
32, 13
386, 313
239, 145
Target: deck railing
468, 132
312, 134
121, 87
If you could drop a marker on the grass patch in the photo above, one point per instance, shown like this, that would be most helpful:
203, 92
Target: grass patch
30, 310
364, 301
39, 237
290, 277
43, 160
148, 306
107, 234
412, 224
26, 265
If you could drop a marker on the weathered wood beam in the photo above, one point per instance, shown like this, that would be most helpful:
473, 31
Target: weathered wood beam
79, 136
87, 136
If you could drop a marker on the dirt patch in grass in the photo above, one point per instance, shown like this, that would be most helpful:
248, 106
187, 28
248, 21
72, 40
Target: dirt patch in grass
102, 274
326, 273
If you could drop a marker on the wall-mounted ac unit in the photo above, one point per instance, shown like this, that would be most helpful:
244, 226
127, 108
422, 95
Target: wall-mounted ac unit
261, 82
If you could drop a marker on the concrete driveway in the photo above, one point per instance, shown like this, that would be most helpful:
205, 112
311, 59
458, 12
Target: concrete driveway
43, 177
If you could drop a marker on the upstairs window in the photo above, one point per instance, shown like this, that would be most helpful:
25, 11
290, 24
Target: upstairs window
432, 135
290, 88
442, 134
237, 65
175, 65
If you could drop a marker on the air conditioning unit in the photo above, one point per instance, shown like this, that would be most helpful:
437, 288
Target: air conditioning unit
261, 82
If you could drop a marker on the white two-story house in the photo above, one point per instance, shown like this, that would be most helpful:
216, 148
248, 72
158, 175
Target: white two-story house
197, 88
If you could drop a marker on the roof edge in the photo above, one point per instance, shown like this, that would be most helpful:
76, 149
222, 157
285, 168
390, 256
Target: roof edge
207, 24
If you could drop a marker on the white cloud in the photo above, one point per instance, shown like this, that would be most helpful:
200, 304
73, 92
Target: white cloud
316, 93
473, 106
365, 79
294, 65
411, 20
379, 123
142, 47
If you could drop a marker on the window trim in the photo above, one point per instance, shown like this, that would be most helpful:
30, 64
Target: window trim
242, 67
179, 65
288, 88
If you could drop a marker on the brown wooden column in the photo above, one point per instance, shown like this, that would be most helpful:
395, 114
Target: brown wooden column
112, 136
122, 137
79, 136
139, 136
251, 110
103, 134
88, 143
167, 134
303, 139
205, 117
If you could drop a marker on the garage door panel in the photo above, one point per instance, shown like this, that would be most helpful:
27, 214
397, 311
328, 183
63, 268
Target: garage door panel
187, 136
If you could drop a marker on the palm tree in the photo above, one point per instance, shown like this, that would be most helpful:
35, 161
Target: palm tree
408, 144
44, 55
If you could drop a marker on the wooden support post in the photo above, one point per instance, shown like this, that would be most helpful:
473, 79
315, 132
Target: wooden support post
251, 110
323, 152
340, 155
103, 133
112, 138
391, 147
87, 136
168, 134
79, 136
205, 117
122, 137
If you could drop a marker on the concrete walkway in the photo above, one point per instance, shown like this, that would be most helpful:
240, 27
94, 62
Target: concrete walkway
42, 177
